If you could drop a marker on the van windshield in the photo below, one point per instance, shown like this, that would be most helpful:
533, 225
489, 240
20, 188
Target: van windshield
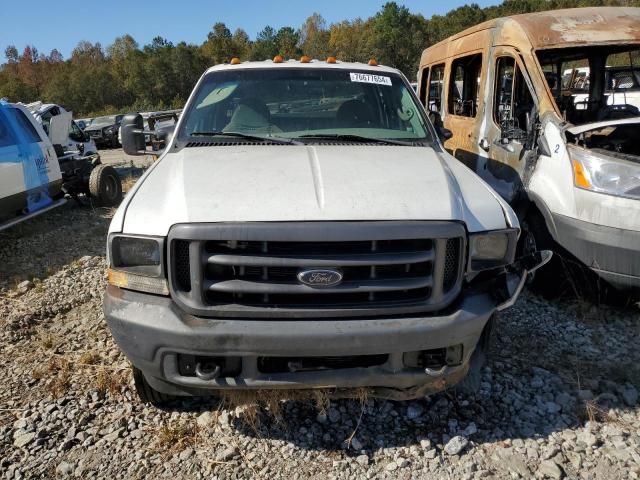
303, 103
592, 84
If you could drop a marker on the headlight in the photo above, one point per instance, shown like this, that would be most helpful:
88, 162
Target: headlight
599, 173
109, 130
136, 263
493, 249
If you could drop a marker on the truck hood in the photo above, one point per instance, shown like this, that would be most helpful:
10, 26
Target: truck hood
306, 183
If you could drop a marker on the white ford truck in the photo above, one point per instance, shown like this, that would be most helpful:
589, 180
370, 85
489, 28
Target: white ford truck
304, 228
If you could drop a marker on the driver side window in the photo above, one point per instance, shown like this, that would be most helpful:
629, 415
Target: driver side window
513, 102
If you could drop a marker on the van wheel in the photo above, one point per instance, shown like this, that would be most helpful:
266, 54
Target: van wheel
549, 280
146, 393
470, 384
105, 186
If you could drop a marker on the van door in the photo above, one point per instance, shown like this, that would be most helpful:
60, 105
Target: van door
463, 108
29, 170
509, 121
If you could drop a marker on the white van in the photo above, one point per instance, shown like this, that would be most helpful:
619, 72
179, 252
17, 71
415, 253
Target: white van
531, 106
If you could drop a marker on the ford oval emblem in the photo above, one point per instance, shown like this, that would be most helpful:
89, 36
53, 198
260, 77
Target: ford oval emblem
320, 278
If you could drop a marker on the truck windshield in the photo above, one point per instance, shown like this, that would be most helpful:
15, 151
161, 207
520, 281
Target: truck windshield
303, 104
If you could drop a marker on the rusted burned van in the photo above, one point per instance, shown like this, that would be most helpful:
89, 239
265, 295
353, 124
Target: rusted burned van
564, 153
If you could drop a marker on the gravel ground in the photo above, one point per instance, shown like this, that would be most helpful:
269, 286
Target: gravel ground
558, 399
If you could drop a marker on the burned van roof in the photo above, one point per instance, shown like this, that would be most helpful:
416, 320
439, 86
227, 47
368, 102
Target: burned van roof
581, 26
571, 27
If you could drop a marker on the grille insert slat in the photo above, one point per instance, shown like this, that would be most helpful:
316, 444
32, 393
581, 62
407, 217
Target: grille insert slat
266, 287
246, 275
329, 260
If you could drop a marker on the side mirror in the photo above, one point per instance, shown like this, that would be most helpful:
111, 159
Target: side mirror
133, 134
543, 146
444, 133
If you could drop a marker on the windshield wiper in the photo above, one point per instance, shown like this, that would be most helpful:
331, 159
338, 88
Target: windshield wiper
356, 138
284, 141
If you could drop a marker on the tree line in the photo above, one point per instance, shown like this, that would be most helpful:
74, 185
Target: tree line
125, 76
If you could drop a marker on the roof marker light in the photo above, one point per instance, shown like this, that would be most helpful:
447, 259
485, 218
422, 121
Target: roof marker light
373, 62
235, 61
331, 60
278, 59
305, 59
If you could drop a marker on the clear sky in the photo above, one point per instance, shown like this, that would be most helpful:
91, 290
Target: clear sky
61, 24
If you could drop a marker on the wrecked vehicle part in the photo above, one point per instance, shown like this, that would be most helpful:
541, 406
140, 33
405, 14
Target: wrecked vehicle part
284, 242
553, 86
30, 178
63, 130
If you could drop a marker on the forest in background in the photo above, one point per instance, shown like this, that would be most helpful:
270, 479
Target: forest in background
125, 76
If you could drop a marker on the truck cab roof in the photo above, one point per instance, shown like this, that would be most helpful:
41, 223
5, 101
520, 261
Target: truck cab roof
313, 64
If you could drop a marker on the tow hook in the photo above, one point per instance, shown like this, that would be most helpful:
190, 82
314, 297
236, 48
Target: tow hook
432, 372
204, 374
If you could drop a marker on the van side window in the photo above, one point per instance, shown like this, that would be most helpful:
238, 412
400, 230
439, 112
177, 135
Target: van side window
464, 85
424, 78
513, 101
436, 87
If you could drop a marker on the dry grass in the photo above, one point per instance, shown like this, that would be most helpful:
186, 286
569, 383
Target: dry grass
590, 411
47, 340
106, 212
58, 373
258, 404
128, 182
363, 398
111, 381
175, 437
89, 358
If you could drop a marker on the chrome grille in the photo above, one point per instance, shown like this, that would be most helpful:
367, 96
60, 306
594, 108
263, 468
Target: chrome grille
252, 269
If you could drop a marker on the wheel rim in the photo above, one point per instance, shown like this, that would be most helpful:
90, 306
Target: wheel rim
110, 187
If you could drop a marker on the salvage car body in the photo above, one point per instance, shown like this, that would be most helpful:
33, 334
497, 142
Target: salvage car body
70, 135
264, 250
104, 130
30, 177
37, 175
572, 157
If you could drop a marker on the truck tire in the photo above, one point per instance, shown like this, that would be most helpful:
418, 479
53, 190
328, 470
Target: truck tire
470, 384
146, 393
105, 186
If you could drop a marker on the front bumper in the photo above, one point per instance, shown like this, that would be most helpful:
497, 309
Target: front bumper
612, 253
153, 332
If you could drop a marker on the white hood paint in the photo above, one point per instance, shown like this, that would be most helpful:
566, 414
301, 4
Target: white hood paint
598, 125
306, 183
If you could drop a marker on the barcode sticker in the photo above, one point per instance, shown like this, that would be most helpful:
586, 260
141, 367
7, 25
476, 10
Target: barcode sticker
370, 78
